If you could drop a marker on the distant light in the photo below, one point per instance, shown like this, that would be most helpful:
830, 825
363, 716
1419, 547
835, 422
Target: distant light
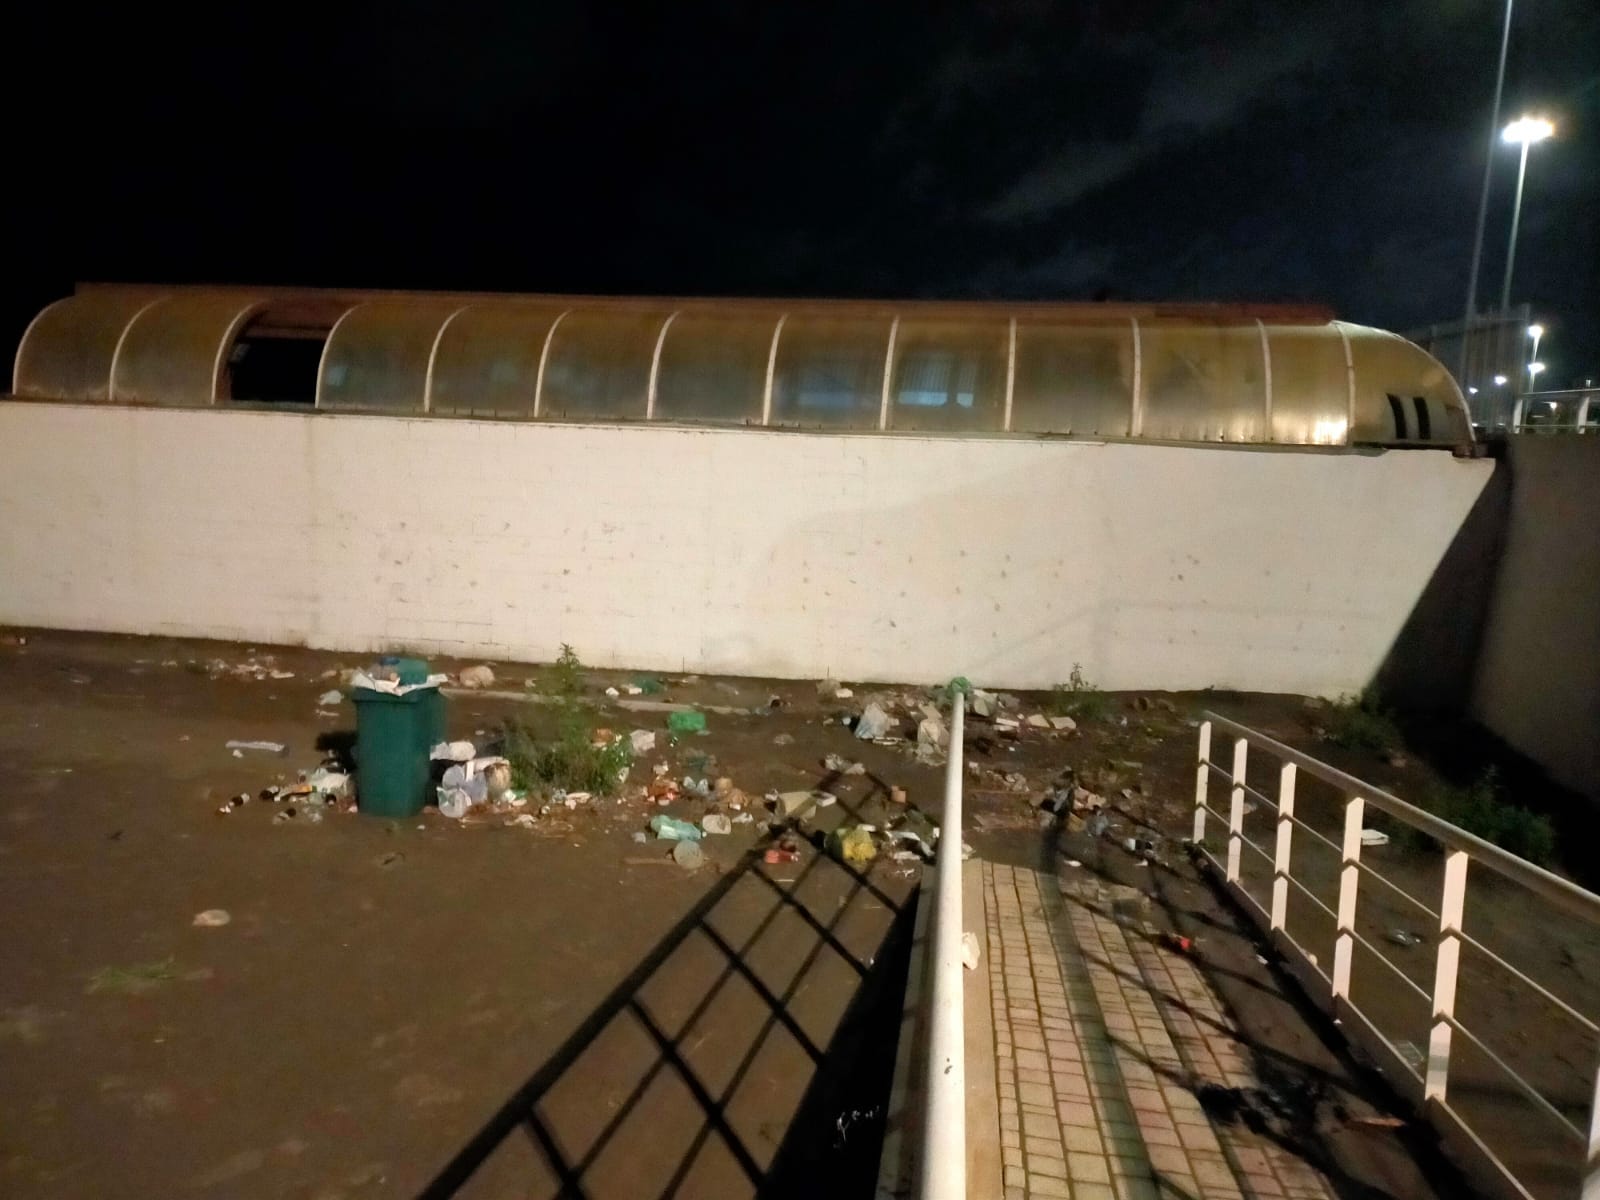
1535, 368
1527, 130
1472, 391
1552, 405
1536, 332
1499, 381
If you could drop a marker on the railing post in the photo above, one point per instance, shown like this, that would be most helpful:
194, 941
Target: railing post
1202, 778
944, 1134
1241, 750
1446, 961
1591, 1175
1349, 879
1280, 861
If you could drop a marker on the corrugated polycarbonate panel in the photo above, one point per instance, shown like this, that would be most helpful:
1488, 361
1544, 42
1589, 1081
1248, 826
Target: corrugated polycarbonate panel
1074, 379
599, 364
1385, 366
949, 375
173, 351
377, 356
1202, 383
714, 368
487, 361
829, 372
1310, 392
66, 353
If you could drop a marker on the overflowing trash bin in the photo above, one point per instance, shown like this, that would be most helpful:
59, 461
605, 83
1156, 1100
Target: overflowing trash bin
400, 714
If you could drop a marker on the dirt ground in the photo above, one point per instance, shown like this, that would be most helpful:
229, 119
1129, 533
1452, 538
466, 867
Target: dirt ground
469, 1008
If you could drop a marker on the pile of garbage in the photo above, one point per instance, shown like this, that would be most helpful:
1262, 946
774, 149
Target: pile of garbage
254, 667
916, 722
306, 799
473, 781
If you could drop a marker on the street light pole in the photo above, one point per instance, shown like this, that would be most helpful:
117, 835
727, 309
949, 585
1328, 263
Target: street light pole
1483, 197
1516, 219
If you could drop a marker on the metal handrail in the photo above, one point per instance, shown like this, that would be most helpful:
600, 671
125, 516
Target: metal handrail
944, 1132
1545, 884
1462, 850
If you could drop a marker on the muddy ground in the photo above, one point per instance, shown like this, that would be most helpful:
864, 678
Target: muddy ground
395, 1006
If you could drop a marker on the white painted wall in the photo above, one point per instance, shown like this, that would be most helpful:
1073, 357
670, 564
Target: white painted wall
743, 551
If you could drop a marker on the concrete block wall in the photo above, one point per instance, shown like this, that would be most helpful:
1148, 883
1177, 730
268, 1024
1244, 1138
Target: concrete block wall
742, 551
1538, 678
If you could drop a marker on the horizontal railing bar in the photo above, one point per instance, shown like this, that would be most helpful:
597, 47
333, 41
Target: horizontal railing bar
1345, 1009
1321, 837
1523, 1085
1248, 790
1551, 887
1395, 887
1312, 896
1534, 984
1223, 817
1390, 963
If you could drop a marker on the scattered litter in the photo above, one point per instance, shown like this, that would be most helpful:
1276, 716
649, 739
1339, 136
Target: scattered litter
1397, 760
212, 918
692, 721
476, 677
238, 801
671, 829
932, 736
789, 804
391, 858
648, 684
843, 766
1007, 724
239, 748
643, 740
1072, 862
1038, 721
786, 851
897, 795
970, 954
1097, 825
716, 823
1410, 1053
453, 752
613, 692
1403, 937
1141, 846
1063, 724
640, 836
333, 697
843, 693
526, 821
984, 703
1374, 837
853, 845
1379, 1122
912, 838
632, 689
783, 739
688, 855
873, 722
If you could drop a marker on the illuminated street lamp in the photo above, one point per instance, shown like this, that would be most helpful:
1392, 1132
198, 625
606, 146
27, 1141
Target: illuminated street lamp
1533, 372
1499, 381
1535, 332
1524, 132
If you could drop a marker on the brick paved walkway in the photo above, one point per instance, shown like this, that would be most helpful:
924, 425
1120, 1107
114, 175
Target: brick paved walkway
1102, 1041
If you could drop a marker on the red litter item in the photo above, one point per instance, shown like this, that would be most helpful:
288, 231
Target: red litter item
780, 855
1176, 941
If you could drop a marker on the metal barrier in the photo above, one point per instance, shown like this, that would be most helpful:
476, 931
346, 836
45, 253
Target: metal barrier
944, 1131
1430, 1086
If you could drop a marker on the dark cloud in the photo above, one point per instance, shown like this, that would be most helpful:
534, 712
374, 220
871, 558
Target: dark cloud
1320, 151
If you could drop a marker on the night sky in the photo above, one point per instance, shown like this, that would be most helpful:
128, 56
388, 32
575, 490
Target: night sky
1319, 150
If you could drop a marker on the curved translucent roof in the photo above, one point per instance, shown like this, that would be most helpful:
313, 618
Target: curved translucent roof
1197, 373
377, 356
67, 353
173, 350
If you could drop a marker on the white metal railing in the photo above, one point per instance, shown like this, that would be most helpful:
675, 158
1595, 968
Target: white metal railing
1462, 850
943, 1161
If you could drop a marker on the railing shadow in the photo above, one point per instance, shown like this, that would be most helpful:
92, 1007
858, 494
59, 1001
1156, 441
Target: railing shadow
749, 1053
